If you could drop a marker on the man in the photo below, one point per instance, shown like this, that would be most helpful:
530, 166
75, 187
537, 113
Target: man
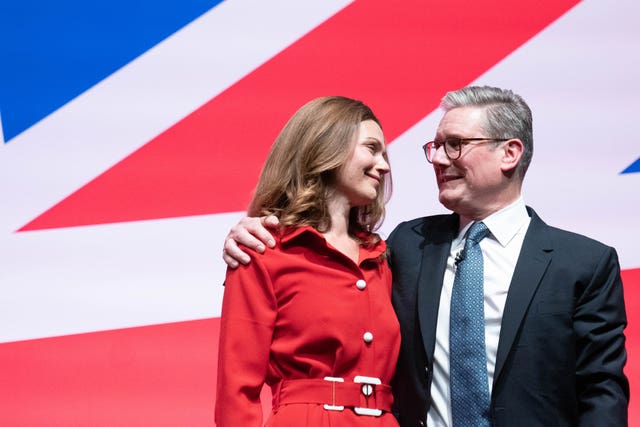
551, 302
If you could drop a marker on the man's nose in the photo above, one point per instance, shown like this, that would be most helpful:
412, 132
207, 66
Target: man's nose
440, 156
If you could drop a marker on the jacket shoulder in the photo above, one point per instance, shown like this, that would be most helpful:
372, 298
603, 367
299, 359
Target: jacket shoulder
564, 239
422, 224
419, 228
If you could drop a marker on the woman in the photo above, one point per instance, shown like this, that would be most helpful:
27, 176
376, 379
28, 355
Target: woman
312, 318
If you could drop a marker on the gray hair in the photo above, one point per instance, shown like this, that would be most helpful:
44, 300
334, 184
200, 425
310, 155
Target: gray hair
508, 115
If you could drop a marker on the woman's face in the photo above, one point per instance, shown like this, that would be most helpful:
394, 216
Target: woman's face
360, 177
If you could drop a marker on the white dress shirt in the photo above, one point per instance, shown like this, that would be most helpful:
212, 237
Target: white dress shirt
500, 251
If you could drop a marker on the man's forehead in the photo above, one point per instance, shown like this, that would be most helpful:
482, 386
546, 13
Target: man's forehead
460, 121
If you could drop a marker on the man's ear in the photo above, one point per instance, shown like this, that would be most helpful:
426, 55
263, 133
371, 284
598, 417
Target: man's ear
511, 152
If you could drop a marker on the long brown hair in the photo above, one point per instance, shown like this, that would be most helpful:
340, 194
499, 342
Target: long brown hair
300, 170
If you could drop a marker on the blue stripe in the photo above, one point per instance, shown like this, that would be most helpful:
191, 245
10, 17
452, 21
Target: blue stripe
633, 167
55, 50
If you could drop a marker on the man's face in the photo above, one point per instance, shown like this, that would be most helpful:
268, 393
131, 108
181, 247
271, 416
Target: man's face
472, 185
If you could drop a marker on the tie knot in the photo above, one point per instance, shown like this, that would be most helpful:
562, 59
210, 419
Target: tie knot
477, 232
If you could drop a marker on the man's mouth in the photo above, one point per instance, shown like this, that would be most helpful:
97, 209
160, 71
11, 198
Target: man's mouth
442, 178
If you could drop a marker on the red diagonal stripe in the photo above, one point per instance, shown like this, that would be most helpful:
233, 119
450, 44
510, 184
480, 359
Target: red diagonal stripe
399, 57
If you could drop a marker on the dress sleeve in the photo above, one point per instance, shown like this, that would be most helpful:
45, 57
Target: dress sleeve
246, 330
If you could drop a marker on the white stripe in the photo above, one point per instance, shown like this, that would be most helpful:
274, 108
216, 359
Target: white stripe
120, 114
82, 279
58, 282
575, 76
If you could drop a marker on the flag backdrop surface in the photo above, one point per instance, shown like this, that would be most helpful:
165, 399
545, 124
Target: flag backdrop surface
133, 134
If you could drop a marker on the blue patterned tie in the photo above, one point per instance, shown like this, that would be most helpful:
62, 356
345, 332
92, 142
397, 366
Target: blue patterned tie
470, 399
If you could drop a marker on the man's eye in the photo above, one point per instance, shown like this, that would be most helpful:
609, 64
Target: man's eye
453, 143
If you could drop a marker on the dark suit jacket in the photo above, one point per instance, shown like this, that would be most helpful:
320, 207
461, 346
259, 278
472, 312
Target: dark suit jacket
561, 350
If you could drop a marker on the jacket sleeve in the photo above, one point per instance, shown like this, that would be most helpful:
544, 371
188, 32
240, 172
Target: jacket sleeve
599, 322
246, 329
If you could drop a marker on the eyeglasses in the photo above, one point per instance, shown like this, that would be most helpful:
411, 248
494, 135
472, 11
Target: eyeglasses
453, 146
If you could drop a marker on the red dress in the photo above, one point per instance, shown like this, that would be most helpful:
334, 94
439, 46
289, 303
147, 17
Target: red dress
304, 310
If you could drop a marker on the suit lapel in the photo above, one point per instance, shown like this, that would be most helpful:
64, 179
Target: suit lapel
533, 261
438, 236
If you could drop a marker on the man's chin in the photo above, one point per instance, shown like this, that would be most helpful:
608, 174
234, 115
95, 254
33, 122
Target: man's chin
447, 201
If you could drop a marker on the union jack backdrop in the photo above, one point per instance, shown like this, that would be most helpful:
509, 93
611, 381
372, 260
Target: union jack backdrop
134, 130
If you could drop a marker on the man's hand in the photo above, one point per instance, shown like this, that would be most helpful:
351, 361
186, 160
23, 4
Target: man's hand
250, 232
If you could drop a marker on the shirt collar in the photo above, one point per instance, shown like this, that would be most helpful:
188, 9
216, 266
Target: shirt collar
505, 223
293, 234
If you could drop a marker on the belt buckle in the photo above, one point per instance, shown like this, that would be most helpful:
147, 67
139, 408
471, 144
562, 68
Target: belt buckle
333, 406
368, 388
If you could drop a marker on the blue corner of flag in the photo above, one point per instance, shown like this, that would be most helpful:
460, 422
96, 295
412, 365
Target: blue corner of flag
633, 167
